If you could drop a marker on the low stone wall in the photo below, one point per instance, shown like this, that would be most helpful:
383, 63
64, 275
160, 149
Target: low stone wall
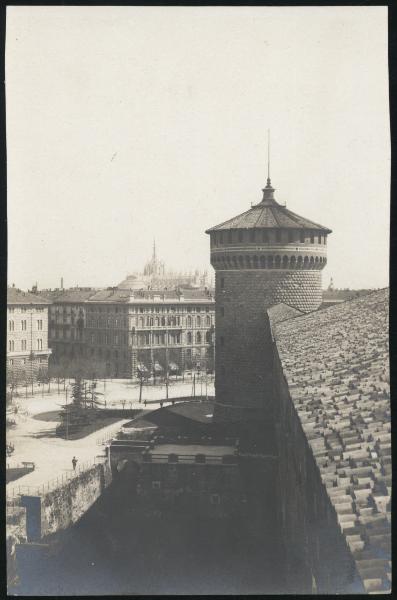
60, 508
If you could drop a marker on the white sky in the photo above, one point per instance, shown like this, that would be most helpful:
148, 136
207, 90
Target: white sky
128, 123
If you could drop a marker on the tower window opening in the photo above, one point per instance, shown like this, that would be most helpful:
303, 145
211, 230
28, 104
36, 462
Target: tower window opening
290, 236
252, 235
265, 236
302, 237
278, 235
240, 235
312, 238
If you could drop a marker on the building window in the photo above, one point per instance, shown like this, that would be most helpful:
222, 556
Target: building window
230, 236
222, 283
198, 337
320, 241
23, 344
290, 236
189, 337
215, 499
39, 344
252, 235
40, 325
207, 321
221, 237
302, 237
11, 345
11, 325
265, 236
198, 320
278, 235
240, 236
189, 321
11, 362
312, 239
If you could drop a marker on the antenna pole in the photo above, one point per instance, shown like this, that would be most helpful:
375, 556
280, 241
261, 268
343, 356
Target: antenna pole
268, 154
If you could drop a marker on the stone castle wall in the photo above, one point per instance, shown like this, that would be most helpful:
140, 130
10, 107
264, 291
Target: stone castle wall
243, 342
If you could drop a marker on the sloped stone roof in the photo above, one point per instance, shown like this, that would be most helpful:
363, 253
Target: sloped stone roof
336, 364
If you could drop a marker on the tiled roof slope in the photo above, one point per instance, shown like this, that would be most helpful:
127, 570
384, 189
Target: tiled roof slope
71, 296
336, 364
269, 216
282, 312
16, 296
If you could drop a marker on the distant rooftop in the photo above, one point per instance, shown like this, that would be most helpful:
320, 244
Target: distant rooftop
16, 296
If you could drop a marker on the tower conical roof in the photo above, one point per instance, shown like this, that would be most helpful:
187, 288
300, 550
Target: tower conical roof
268, 214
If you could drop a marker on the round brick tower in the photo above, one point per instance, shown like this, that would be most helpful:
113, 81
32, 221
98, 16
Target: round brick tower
265, 256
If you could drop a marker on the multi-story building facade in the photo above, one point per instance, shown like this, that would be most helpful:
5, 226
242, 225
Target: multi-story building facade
262, 257
124, 333
27, 336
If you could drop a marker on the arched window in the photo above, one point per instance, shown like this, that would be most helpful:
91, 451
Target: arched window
306, 261
141, 322
293, 262
278, 262
189, 337
198, 321
270, 262
198, 337
263, 262
208, 321
285, 262
189, 321
255, 262
299, 262
248, 262
163, 321
157, 322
